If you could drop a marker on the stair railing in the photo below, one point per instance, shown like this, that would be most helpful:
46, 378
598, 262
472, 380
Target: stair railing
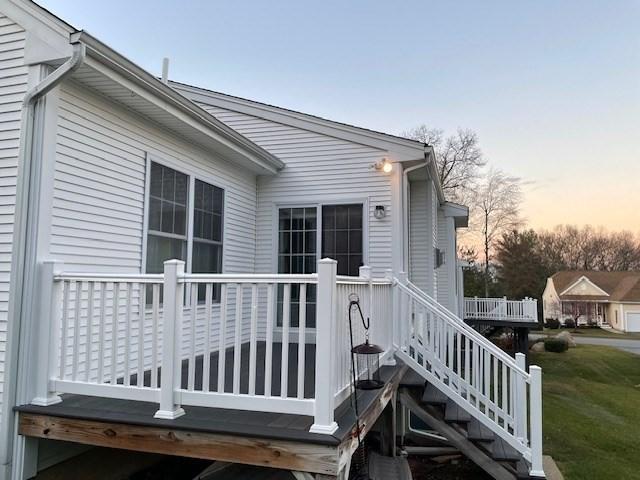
493, 387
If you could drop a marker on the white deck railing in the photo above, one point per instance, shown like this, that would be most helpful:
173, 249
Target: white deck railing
240, 341
481, 378
500, 309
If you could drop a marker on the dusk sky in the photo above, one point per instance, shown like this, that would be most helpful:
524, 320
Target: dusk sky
552, 88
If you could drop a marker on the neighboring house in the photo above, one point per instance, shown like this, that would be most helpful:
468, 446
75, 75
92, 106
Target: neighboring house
594, 298
107, 173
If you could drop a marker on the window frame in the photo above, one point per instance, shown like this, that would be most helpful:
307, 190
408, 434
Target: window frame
318, 204
192, 174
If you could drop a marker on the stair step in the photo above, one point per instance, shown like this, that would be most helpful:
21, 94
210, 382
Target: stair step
478, 432
455, 413
433, 396
388, 468
412, 379
503, 452
522, 470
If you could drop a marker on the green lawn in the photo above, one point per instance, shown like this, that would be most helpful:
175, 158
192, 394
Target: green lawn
589, 332
592, 412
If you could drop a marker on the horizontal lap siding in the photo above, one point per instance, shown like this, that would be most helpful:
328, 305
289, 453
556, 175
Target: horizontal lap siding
98, 203
317, 166
13, 86
445, 286
419, 235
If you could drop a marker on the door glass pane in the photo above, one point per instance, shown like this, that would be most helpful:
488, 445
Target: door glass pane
297, 238
342, 236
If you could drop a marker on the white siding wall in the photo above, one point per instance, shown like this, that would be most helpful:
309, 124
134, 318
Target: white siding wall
98, 204
447, 273
13, 85
419, 248
433, 226
318, 168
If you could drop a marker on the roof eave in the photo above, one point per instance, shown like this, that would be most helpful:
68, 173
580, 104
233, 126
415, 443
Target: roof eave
218, 130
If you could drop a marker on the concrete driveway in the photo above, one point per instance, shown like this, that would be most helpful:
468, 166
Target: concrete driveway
632, 346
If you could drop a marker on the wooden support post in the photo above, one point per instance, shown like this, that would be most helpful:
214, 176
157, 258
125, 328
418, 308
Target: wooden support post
48, 333
325, 330
536, 423
171, 335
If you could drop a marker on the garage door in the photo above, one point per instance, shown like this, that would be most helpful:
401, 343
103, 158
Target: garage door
633, 321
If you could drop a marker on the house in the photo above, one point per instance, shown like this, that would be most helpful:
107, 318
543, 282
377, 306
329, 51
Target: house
178, 266
594, 298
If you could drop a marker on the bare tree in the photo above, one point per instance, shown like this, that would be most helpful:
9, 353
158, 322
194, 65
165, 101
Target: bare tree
458, 157
497, 204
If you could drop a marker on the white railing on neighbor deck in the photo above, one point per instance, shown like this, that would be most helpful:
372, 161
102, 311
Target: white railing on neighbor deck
501, 309
241, 341
481, 378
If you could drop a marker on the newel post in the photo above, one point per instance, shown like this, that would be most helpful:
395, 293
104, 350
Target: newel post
50, 321
325, 348
536, 422
400, 323
173, 294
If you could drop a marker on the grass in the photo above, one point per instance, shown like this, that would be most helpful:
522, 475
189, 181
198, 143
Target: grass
592, 411
589, 332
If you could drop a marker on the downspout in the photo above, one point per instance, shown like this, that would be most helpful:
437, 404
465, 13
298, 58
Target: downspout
23, 265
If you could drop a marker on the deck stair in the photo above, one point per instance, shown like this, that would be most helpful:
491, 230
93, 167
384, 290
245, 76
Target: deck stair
484, 402
474, 440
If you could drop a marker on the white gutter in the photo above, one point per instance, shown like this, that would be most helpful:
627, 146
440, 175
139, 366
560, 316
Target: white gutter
23, 265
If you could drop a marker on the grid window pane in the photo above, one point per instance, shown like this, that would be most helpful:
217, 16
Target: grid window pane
160, 249
342, 236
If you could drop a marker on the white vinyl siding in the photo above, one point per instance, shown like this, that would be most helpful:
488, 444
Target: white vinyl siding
419, 238
13, 86
446, 273
319, 168
98, 205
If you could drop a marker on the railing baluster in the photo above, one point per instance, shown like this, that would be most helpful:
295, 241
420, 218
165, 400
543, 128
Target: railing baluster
101, 332
222, 339
155, 321
253, 340
114, 332
191, 367
142, 298
268, 355
237, 354
89, 348
284, 364
76, 331
128, 343
302, 323
206, 357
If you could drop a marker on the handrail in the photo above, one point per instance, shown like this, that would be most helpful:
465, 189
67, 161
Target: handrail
109, 277
248, 278
417, 293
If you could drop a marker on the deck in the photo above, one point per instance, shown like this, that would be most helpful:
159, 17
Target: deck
257, 438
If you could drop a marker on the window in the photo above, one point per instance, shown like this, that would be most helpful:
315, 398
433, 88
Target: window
169, 213
297, 228
167, 232
342, 237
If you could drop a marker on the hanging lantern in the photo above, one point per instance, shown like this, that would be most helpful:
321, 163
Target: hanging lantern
367, 363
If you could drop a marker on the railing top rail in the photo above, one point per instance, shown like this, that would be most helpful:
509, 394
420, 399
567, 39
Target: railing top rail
108, 277
466, 329
248, 278
498, 299
344, 279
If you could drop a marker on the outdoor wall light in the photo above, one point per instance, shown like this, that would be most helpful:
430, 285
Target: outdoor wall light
379, 212
385, 165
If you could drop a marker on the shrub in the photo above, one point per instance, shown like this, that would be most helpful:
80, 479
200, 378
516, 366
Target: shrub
555, 344
569, 323
552, 323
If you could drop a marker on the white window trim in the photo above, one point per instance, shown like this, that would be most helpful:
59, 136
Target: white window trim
192, 174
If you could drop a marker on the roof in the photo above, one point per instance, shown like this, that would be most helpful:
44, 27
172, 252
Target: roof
618, 286
391, 137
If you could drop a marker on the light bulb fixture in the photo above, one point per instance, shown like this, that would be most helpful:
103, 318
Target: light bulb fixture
385, 165
379, 212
